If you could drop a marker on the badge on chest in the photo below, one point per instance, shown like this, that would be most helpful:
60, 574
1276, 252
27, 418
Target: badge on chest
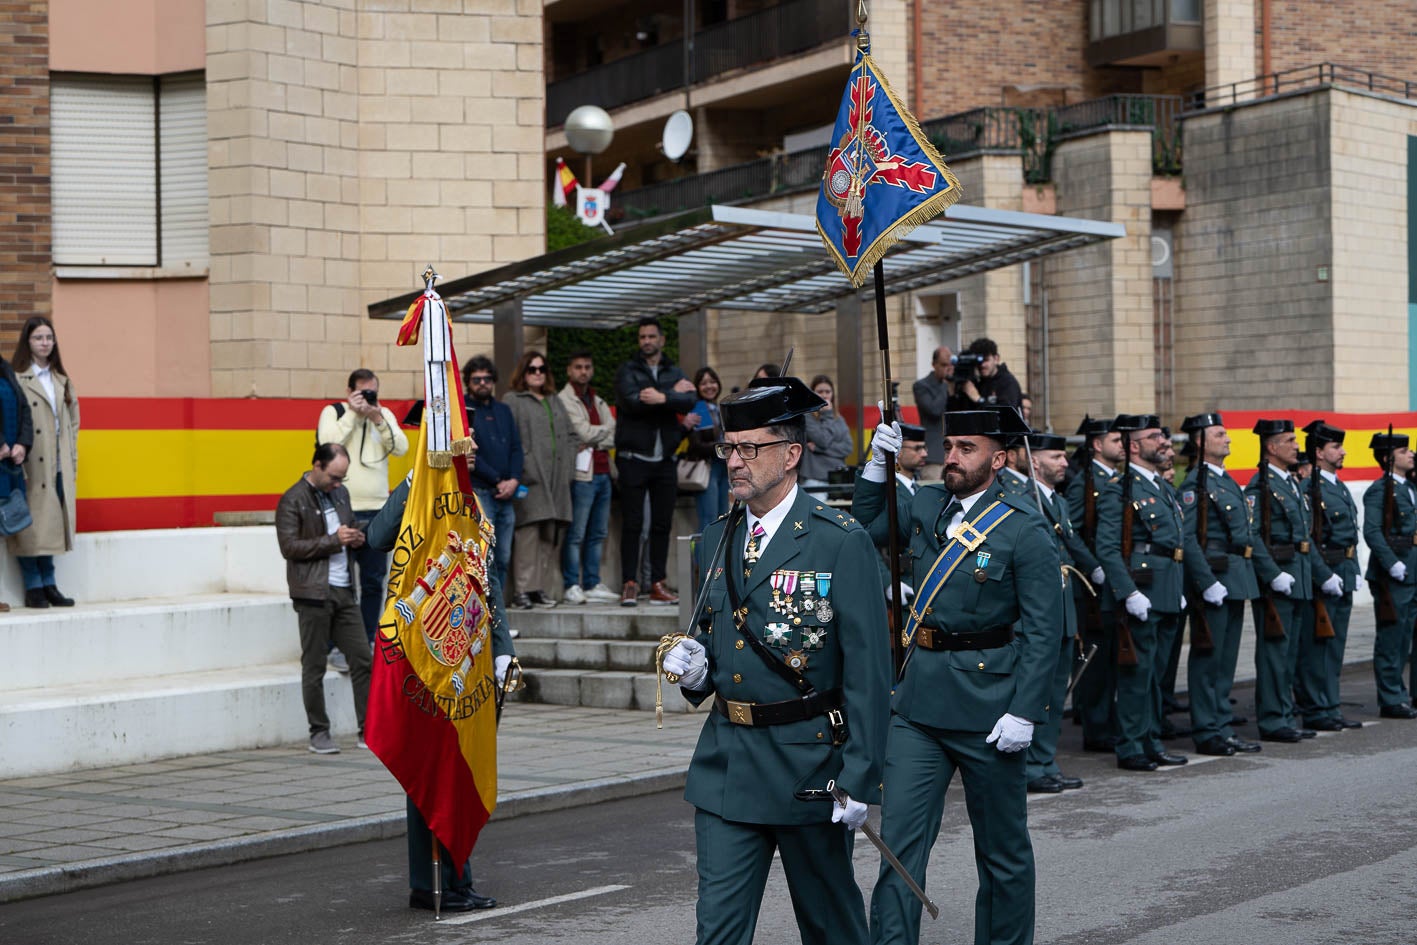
802, 595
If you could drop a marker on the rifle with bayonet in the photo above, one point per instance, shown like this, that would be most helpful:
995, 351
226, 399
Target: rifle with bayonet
1323, 623
1273, 625
1201, 638
1383, 604
1126, 646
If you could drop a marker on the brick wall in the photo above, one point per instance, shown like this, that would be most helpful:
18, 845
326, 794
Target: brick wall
1376, 35
24, 165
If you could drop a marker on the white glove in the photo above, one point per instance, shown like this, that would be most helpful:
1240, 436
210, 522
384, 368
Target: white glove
687, 660
1333, 587
1214, 595
1283, 583
499, 667
1183, 603
853, 814
1011, 733
1138, 605
1357, 582
1398, 571
886, 439
1099, 577
906, 593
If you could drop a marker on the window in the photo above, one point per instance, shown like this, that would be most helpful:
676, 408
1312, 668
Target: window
129, 171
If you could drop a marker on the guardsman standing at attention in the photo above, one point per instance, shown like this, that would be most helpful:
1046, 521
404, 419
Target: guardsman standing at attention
1215, 509
795, 657
1287, 572
1389, 527
1095, 695
1142, 545
1321, 661
981, 642
1050, 467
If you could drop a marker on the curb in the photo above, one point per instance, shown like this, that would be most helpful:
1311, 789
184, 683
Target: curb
69, 877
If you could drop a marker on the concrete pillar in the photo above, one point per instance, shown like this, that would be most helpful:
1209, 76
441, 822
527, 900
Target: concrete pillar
508, 340
693, 341
850, 392
1230, 45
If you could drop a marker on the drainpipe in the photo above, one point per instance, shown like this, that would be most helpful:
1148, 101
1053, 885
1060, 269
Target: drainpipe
916, 67
1266, 64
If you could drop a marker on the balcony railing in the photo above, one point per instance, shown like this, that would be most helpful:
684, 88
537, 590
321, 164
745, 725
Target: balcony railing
1295, 80
777, 32
1157, 112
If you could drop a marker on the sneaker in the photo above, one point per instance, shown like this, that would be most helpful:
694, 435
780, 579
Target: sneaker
322, 744
522, 602
661, 594
601, 594
338, 663
574, 595
629, 595
539, 599
360, 742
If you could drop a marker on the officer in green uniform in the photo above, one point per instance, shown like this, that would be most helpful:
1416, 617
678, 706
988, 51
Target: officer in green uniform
794, 655
1389, 527
983, 641
1095, 695
1321, 661
907, 466
1221, 511
1016, 478
1050, 467
1289, 571
1149, 584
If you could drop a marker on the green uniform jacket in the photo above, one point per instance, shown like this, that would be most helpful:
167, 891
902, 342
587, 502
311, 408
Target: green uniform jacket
970, 690
1086, 555
1228, 523
1340, 527
1289, 524
747, 773
1395, 545
1069, 544
1157, 520
1017, 486
879, 530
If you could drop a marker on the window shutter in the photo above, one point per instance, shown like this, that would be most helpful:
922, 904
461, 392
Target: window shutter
182, 120
104, 170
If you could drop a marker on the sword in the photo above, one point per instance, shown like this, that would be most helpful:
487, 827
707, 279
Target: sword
840, 797
1086, 659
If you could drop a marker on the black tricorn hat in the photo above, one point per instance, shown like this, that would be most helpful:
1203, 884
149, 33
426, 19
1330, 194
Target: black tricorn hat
1011, 425
1091, 427
910, 431
1265, 428
1000, 424
1200, 421
1046, 441
1132, 422
766, 401
1387, 442
1321, 433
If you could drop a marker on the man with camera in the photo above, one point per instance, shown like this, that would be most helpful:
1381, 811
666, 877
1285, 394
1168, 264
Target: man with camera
983, 379
934, 395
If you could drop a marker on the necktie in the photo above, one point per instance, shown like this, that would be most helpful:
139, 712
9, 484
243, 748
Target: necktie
754, 549
952, 508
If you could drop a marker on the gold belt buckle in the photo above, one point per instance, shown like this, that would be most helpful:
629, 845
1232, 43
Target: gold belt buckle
969, 536
1414, 539
1351, 551
1249, 550
1178, 554
740, 713
1303, 547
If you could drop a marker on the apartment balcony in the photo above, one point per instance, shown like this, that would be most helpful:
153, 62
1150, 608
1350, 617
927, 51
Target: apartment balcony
1144, 32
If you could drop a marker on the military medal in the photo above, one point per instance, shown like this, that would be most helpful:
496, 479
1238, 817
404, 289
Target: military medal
809, 591
813, 638
796, 659
980, 576
776, 581
824, 586
778, 634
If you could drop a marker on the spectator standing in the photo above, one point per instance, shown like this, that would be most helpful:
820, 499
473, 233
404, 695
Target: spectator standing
713, 501
650, 392
828, 440
594, 428
17, 431
500, 459
316, 529
934, 394
997, 384
51, 464
370, 434
550, 456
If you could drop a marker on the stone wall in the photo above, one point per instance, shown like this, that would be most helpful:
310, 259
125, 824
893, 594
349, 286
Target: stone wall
24, 166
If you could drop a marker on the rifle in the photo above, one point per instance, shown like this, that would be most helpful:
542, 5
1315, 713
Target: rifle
1089, 535
1273, 625
1323, 623
1126, 646
1384, 605
1201, 638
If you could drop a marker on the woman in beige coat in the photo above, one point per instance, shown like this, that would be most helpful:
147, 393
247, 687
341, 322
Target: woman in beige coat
52, 464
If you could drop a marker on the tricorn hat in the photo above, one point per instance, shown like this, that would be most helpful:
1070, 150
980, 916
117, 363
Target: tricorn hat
1091, 427
766, 401
1132, 422
911, 431
1011, 425
1046, 441
1387, 442
1321, 433
1001, 424
1200, 421
1265, 428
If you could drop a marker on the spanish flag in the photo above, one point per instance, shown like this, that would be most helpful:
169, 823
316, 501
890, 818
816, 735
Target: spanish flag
565, 185
432, 701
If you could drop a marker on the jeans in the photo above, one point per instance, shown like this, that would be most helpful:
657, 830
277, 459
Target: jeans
503, 515
38, 571
590, 517
713, 501
660, 481
373, 572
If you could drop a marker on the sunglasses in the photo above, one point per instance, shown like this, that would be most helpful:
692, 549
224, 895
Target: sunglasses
480, 379
536, 369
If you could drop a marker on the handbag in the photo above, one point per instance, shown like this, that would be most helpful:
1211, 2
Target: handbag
693, 475
15, 509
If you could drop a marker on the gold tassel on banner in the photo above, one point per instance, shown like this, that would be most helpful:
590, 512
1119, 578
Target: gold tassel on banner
462, 447
440, 459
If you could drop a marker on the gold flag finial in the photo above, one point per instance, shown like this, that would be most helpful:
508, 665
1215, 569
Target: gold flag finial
429, 277
861, 14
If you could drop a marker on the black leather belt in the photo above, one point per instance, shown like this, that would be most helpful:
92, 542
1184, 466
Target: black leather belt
778, 713
931, 639
1160, 551
1283, 554
1402, 539
1224, 548
1332, 554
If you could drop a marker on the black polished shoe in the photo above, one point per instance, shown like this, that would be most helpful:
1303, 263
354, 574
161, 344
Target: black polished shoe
51, 594
1244, 745
1288, 735
471, 895
522, 602
1387, 711
35, 599
1045, 785
1136, 763
1215, 745
1166, 758
1239, 719
1069, 784
1173, 708
1107, 745
452, 902
1324, 725
1307, 733
1349, 723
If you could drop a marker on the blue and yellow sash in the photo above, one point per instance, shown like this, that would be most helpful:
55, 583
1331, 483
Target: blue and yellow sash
969, 537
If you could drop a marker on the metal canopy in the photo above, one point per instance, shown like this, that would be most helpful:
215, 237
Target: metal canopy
741, 258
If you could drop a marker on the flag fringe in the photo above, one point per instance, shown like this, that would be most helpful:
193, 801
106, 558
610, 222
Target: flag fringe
462, 447
440, 459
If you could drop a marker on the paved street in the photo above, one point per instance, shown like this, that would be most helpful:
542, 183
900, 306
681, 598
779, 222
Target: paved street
1301, 845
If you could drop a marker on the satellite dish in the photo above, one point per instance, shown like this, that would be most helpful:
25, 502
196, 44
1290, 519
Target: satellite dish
678, 133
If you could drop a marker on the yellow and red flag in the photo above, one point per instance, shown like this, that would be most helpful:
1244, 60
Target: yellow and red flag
566, 184
432, 700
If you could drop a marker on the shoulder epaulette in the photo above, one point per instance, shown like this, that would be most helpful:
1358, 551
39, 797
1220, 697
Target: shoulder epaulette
844, 520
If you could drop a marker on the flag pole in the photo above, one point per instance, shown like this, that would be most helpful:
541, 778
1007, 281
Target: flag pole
883, 339
437, 877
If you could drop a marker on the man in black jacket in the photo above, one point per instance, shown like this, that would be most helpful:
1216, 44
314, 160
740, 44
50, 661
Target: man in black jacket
650, 393
997, 384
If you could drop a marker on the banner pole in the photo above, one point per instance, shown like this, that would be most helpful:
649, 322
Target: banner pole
892, 516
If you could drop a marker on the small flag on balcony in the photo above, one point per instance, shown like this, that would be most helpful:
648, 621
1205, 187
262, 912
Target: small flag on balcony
883, 176
565, 186
609, 183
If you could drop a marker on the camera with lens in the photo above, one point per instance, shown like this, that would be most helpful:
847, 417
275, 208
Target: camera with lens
966, 367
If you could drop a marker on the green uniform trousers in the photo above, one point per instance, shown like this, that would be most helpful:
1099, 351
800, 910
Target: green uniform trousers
733, 871
420, 858
1139, 686
920, 762
1169, 629
1275, 661
1041, 756
1392, 650
1321, 662
1209, 676
1095, 695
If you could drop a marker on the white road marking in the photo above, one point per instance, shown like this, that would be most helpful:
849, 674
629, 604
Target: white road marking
527, 906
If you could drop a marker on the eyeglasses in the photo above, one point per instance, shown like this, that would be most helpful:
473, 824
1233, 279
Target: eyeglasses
746, 451
480, 379
536, 369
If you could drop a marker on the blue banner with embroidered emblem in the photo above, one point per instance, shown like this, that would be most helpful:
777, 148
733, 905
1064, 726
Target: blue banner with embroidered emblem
883, 176
966, 541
